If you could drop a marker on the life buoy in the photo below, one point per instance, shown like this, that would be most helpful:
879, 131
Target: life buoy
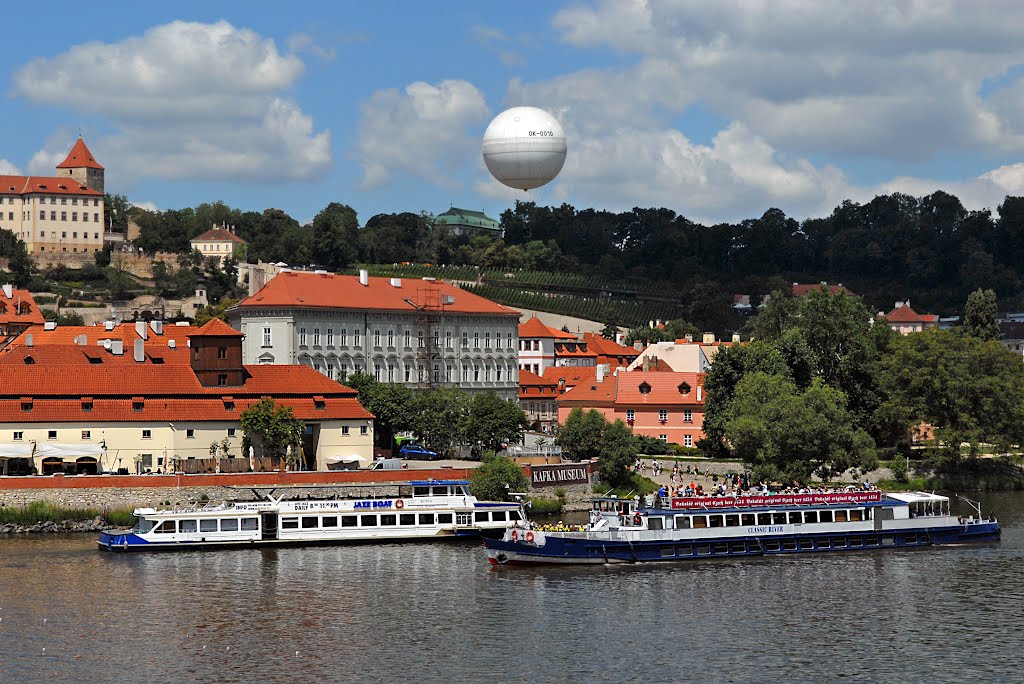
638, 520
529, 536
515, 535
399, 504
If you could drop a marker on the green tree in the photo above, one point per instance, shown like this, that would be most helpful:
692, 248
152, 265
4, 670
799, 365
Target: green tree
20, 264
492, 423
980, 315
784, 435
618, 453
610, 330
335, 240
116, 208
205, 314
439, 417
272, 429
645, 335
580, 435
496, 478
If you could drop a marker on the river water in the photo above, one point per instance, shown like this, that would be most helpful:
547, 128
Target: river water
436, 612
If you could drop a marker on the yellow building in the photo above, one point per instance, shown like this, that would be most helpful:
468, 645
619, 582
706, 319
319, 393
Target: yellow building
58, 214
219, 242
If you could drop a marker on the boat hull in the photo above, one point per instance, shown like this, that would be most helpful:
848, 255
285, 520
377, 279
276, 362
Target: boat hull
583, 548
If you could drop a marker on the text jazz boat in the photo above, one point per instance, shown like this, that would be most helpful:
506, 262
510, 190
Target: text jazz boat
716, 527
417, 510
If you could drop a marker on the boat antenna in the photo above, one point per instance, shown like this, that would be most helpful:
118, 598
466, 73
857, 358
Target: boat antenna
976, 505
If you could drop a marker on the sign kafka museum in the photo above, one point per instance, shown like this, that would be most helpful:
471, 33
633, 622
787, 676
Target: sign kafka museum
550, 475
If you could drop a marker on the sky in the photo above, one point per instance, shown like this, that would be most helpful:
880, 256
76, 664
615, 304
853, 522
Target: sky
716, 110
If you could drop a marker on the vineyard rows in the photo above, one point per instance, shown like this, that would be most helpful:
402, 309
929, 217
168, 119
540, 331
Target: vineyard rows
623, 312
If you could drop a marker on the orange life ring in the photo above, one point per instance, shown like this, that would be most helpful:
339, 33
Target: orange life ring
638, 519
515, 535
399, 504
529, 536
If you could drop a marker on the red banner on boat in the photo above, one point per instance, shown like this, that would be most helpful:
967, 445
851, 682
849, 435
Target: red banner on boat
775, 500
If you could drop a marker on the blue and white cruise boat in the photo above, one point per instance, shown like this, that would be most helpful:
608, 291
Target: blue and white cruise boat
417, 510
716, 527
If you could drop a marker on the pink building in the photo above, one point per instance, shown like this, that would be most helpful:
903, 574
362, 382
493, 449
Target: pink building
664, 405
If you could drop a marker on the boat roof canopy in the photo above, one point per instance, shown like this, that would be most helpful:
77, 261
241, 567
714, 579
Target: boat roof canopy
915, 497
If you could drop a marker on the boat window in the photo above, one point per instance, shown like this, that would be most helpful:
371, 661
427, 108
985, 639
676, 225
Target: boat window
655, 522
778, 518
421, 491
703, 550
389, 519
810, 516
714, 521
188, 526
867, 514
888, 514
871, 541
667, 551
732, 520
515, 515
720, 548
682, 522
407, 519
441, 491
208, 525
772, 545
167, 527
426, 518
789, 545
764, 518
747, 518
700, 521
795, 517
825, 516
367, 521
309, 522
839, 543
348, 520
480, 516
329, 521
250, 524
498, 516
231, 524
822, 543
806, 544
855, 541
444, 518
738, 547
856, 515
841, 516
289, 523
888, 541
144, 526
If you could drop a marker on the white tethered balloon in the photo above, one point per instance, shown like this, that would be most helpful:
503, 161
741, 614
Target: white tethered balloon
524, 148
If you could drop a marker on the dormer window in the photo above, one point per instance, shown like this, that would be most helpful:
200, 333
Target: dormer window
26, 404
29, 361
684, 389
319, 403
86, 403
645, 388
138, 404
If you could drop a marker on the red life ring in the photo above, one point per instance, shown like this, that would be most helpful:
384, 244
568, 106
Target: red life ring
638, 519
515, 535
529, 536
399, 504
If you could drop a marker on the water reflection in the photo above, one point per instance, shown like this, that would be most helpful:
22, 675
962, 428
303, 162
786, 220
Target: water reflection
436, 612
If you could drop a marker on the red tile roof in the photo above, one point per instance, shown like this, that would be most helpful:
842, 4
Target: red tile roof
66, 334
314, 290
20, 308
533, 328
217, 328
904, 314
27, 185
663, 389
563, 351
73, 354
79, 157
218, 235
591, 393
605, 347
531, 379
572, 375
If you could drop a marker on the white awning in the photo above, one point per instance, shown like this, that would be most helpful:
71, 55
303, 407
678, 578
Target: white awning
342, 459
15, 450
57, 450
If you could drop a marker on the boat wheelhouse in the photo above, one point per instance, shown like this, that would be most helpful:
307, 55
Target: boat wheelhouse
689, 528
413, 511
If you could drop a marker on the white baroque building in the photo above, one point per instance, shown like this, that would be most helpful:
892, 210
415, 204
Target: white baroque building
421, 333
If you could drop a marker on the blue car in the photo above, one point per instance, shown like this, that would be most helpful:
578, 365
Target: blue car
415, 451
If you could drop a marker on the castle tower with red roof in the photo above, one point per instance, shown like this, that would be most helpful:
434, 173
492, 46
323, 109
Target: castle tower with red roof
82, 166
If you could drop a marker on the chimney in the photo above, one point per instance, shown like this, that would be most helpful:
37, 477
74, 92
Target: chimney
603, 369
647, 363
28, 340
157, 326
709, 338
638, 345
140, 351
141, 329
364, 277
50, 325
171, 344
898, 305
8, 290
735, 338
117, 347
108, 325
689, 338
699, 393
396, 282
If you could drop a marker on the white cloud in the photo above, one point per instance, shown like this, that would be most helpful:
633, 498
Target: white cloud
421, 130
8, 169
147, 206
187, 100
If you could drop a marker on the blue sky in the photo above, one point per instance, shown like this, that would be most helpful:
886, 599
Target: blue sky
715, 110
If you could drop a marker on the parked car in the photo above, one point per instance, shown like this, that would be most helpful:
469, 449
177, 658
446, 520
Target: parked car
386, 464
415, 451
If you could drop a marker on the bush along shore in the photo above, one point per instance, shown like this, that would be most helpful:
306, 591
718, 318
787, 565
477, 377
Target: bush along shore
40, 517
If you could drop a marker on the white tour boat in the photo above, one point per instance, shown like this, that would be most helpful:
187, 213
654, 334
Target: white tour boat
440, 509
